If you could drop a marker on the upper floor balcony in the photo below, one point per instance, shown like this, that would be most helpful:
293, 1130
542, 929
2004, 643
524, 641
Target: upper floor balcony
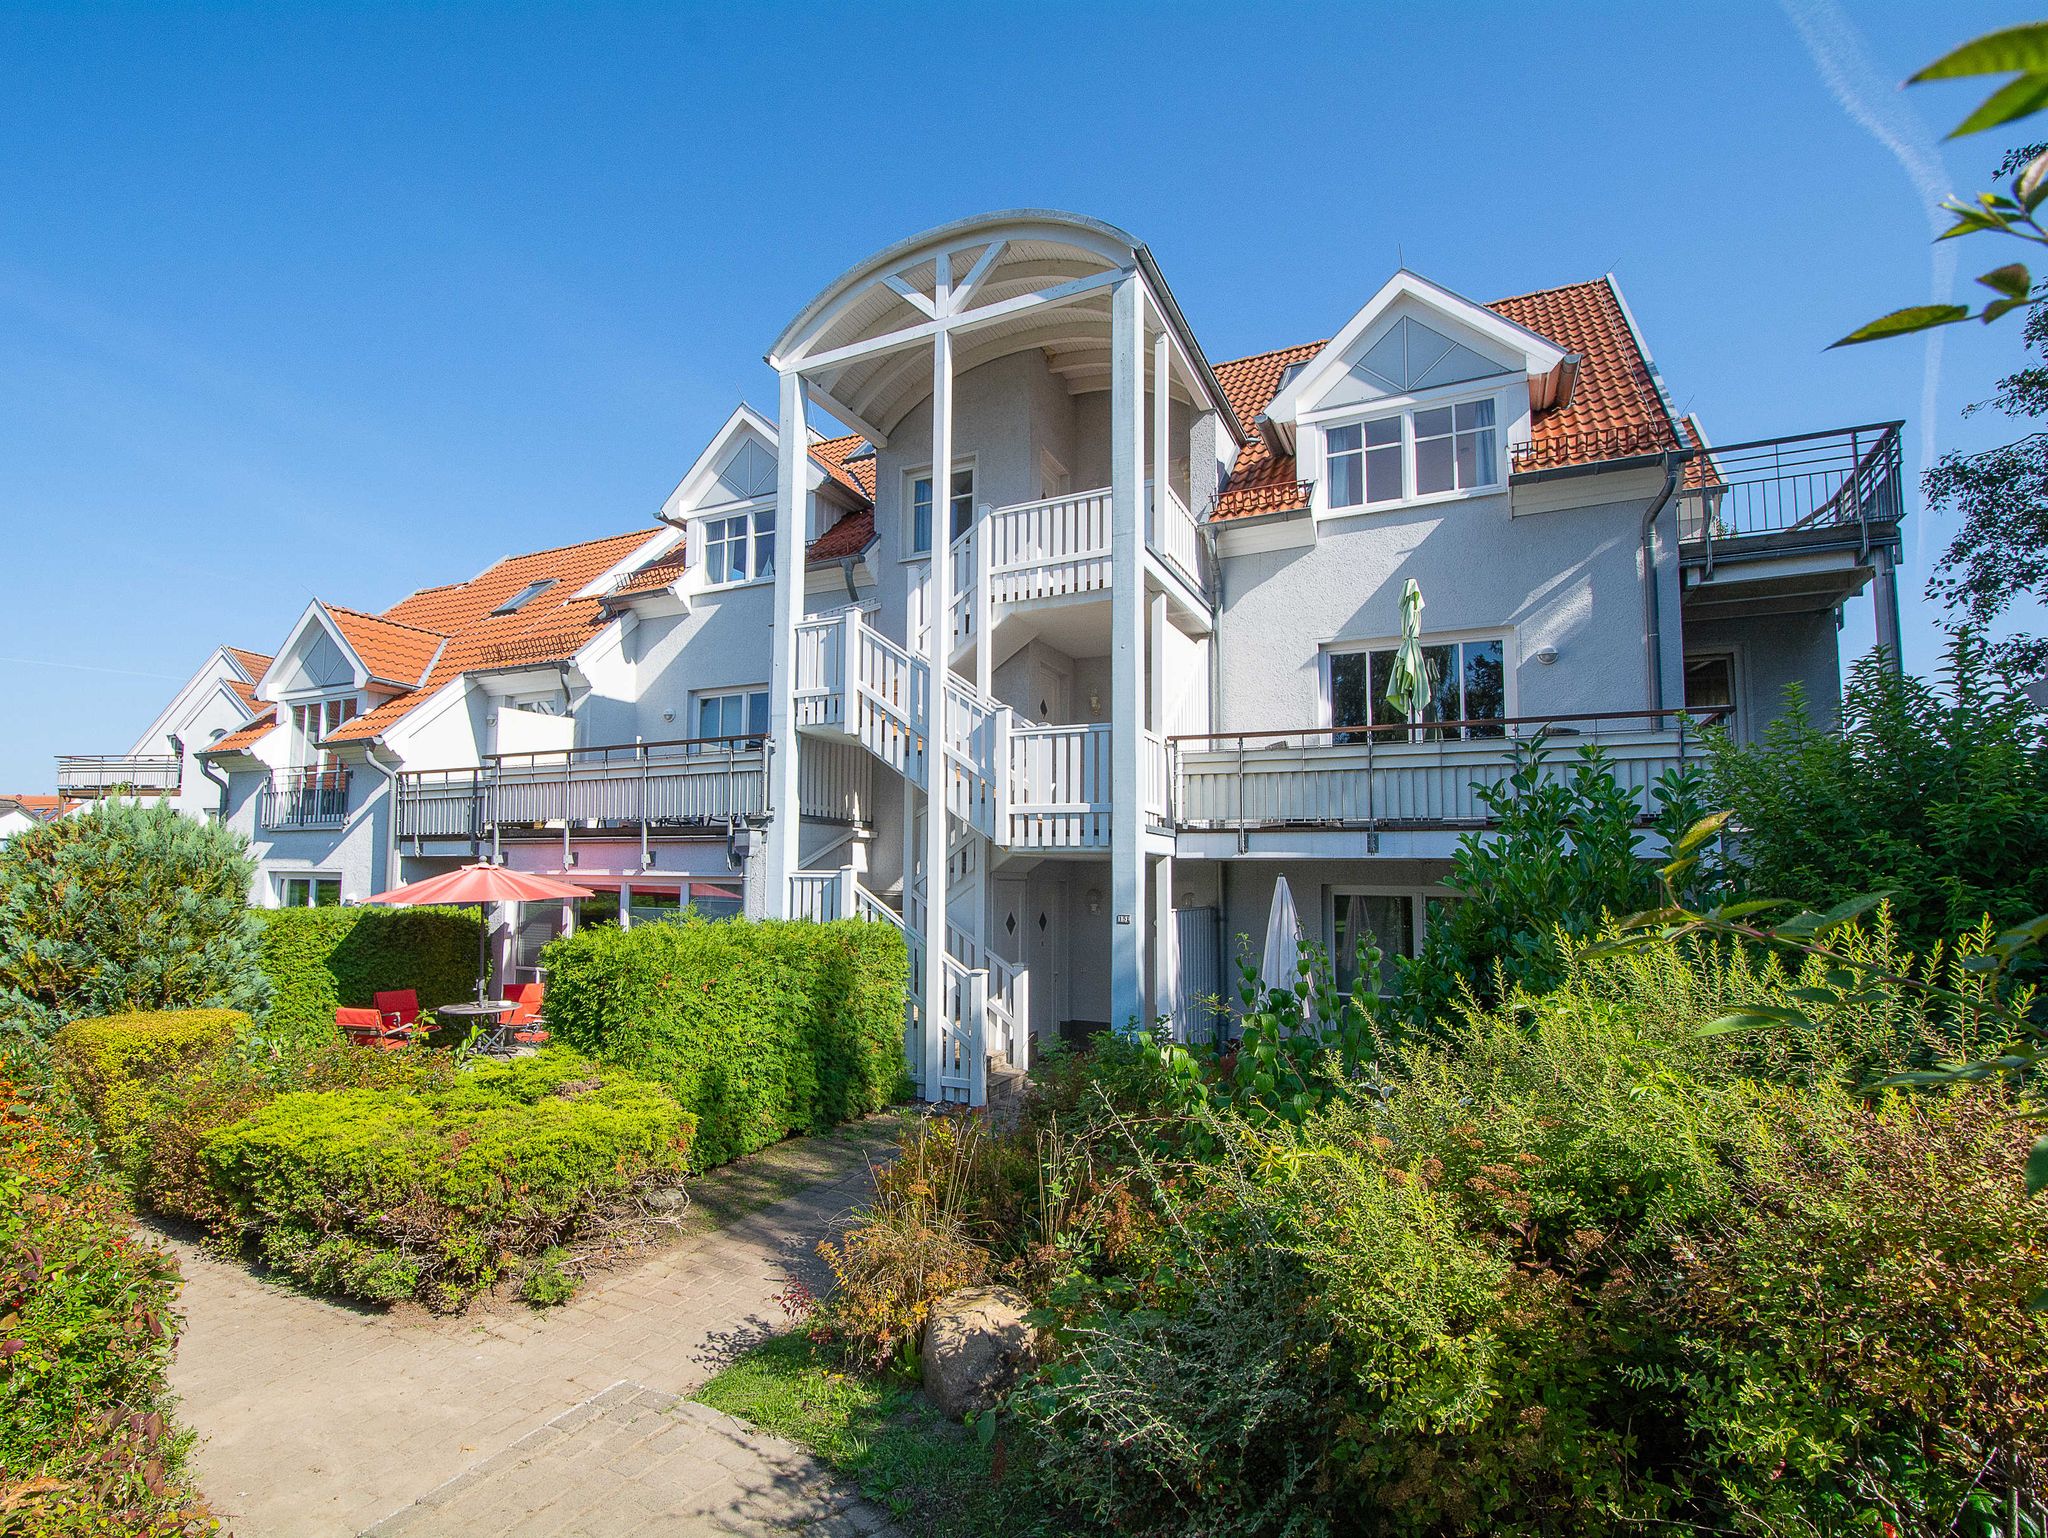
1430, 776
82, 776
681, 784
311, 797
1785, 525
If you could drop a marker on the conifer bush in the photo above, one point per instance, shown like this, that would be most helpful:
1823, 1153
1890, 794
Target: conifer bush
126, 908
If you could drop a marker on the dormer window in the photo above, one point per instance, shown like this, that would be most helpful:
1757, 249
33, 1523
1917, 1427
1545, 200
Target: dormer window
1432, 452
740, 547
524, 596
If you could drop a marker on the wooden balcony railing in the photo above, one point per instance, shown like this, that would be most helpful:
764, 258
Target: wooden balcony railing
1407, 777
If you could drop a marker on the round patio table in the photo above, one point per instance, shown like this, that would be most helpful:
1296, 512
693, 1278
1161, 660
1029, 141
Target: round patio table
491, 1012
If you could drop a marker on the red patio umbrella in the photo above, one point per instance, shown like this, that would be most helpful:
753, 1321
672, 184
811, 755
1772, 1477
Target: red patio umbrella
482, 885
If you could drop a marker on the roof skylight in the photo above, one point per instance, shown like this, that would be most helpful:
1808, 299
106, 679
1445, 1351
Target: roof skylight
524, 596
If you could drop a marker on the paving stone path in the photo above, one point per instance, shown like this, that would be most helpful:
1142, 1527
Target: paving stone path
322, 1421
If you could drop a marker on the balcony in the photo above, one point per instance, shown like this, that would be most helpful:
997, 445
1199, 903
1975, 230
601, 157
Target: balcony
1787, 525
303, 798
1406, 778
680, 784
83, 776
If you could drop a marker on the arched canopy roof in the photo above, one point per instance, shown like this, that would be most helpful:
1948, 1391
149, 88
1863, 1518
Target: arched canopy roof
1027, 279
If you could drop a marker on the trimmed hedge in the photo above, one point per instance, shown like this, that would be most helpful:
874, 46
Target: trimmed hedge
87, 1445
114, 1065
759, 1029
320, 959
387, 1193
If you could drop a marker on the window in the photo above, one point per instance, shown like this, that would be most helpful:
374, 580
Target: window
733, 713
740, 547
921, 509
524, 596
1467, 683
1361, 921
1454, 448
309, 891
1710, 685
312, 723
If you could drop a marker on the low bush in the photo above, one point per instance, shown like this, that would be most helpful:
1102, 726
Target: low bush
125, 908
115, 1065
758, 1029
320, 959
87, 1442
427, 1191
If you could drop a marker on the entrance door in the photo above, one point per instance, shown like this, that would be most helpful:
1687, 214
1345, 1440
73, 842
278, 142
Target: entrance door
1044, 951
1048, 703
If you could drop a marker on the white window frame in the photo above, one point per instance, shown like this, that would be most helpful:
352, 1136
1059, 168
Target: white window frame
1404, 409
1333, 649
1418, 913
286, 879
963, 464
332, 710
744, 693
752, 537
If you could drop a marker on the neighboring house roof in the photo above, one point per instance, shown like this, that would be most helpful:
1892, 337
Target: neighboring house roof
551, 627
255, 664
41, 808
243, 738
1616, 409
392, 651
851, 462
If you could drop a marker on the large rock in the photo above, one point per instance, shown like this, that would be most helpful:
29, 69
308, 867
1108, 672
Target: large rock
975, 1344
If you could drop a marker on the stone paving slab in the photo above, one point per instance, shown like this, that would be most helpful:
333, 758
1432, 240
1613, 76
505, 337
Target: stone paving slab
635, 1463
318, 1420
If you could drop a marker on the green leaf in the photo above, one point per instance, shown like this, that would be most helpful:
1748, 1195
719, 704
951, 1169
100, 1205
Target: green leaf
1706, 828
2015, 99
1844, 912
1754, 1016
2031, 185
1998, 307
2037, 1167
1918, 317
2012, 280
1995, 53
1743, 910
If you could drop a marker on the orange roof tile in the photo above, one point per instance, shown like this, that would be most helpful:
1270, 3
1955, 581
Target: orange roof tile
243, 738
42, 808
392, 651
835, 454
255, 664
657, 574
1616, 409
550, 627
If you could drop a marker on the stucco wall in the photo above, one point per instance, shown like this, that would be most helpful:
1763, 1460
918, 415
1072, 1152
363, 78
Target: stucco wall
1771, 653
725, 642
354, 852
1567, 578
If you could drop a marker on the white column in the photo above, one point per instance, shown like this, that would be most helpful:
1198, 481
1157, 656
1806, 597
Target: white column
1165, 947
938, 662
1127, 655
785, 835
1162, 397
1155, 713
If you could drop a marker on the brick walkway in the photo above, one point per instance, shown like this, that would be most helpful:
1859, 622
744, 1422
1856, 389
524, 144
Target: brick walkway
321, 1421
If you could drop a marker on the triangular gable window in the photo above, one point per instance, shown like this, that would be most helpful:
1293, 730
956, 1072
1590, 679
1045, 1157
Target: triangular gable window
749, 473
1412, 356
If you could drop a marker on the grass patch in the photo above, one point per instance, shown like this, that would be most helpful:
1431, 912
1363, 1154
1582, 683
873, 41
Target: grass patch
881, 1436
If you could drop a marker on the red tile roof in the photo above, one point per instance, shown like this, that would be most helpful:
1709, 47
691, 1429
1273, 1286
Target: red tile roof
657, 574
255, 664
835, 454
1615, 411
392, 651
42, 808
243, 738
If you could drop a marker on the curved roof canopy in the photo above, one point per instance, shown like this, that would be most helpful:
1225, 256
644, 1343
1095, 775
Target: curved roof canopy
1027, 279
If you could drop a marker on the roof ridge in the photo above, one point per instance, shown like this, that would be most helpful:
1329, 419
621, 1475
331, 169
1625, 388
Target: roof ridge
336, 608
528, 555
1273, 352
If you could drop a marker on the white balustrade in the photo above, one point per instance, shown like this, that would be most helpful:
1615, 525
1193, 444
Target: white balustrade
1048, 549
1156, 764
1174, 535
1060, 786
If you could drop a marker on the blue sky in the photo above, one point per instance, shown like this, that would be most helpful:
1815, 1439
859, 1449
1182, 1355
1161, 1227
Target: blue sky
349, 301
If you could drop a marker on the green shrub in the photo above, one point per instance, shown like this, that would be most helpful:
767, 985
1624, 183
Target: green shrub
115, 1065
123, 909
1937, 795
759, 1029
425, 1191
87, 1446
321, 959
549, 1282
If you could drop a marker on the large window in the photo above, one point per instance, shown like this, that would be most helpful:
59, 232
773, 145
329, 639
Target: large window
1361, 921
921, 509
1467, 683
313, 723
733, 713
1420, 453
309, 891
740, 547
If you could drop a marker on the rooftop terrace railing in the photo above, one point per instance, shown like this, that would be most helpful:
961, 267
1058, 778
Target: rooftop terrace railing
148, 774
1842, 485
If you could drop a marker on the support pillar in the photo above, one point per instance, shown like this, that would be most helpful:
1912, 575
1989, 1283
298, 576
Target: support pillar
1165, 949
1127, 655
792, 491
938, 664
1884, 595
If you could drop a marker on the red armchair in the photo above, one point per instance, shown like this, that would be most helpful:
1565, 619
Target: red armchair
525, 1025
400, 1008
368, 1028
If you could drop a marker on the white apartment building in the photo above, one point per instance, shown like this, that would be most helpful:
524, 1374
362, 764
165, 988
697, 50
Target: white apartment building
1163, 612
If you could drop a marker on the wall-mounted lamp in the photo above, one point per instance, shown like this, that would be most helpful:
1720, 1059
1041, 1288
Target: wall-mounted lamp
668, 715
1547, 655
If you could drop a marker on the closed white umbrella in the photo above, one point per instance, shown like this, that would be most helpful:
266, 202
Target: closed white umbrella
1280, 966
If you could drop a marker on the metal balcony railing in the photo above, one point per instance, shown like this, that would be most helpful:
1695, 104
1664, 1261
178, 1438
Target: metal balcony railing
81, 775
1844, 486
304, 798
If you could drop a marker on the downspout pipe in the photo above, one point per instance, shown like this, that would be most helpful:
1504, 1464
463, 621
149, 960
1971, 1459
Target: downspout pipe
220, 811
390, 773
1653, 630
